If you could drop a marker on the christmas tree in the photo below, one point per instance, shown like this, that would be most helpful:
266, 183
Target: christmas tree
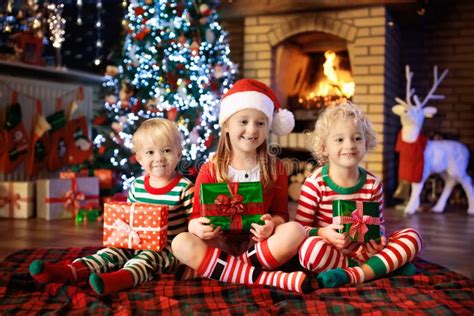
175, 65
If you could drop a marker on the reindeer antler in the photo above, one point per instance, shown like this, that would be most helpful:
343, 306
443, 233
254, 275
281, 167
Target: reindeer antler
409, 91
430, 95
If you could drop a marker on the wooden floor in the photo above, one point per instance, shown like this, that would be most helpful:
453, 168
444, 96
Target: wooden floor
449, 237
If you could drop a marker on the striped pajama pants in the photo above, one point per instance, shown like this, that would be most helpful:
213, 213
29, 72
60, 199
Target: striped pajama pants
317, 255
143, 264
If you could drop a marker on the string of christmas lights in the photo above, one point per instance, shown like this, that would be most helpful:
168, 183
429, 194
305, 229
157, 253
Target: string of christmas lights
79, 12
98, 26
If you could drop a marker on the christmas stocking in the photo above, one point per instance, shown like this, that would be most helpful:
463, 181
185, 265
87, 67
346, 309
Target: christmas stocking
15, 139
78, 144
38, 151
57, 152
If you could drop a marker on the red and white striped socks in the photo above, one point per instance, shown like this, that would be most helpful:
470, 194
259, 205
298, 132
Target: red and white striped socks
218, 265
317, 255
259, 255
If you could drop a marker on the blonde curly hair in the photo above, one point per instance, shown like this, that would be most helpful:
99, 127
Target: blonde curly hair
327, 117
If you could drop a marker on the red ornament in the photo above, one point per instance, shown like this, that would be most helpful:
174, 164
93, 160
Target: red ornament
136, 106
171, 78
214, 85
101, 150
139, 10
133, 159
205, 10
194, 48
99, 120
209, 141
140, 36
172, 114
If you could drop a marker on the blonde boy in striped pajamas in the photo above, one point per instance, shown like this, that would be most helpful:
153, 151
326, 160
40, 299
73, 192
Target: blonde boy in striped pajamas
341, 137
157, 144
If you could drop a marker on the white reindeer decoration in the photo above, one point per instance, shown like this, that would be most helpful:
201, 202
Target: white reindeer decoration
445, 157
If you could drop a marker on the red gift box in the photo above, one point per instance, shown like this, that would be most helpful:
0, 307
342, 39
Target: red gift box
107, 177
136, 226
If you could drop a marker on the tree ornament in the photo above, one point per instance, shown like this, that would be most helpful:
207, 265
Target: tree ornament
111, 99
151, 105
218, 71
99, 119
139, 10
194, 48
209, 141
140, 36
182, 39
205, 10
112, 70
171, 114
194, 136
210, 36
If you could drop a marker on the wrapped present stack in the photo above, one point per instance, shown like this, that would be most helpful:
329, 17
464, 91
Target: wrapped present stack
136, 226
62, 198
360, 219
233, 206
17, 199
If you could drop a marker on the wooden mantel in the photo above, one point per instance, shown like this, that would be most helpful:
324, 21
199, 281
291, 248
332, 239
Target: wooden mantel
64, 75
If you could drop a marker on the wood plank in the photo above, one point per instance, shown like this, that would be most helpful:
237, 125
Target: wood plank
448, 236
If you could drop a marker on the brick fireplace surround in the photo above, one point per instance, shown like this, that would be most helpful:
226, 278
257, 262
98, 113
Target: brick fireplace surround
370, 46
378, 50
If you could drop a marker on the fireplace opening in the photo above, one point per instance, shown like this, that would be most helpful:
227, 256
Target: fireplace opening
312, 71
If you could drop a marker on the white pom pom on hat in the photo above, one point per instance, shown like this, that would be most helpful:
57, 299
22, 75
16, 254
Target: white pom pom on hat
253, 94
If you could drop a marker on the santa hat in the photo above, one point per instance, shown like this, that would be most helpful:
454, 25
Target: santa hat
253, 94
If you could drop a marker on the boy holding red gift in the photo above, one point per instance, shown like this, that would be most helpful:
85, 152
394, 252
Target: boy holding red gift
157, 145
341, 137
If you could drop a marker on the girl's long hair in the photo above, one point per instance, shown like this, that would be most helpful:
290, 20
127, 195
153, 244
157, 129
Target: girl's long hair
221, 160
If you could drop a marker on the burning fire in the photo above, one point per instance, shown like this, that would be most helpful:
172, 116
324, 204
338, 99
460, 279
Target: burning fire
336, 81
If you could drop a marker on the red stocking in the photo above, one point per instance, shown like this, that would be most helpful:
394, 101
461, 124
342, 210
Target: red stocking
57, 153
79, 146
38, 151
15, 138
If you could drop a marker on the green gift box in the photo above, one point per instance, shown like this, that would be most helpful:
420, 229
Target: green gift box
88, 213
361, 220
233, 206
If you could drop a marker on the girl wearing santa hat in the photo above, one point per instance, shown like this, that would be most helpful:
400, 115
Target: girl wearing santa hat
248, 112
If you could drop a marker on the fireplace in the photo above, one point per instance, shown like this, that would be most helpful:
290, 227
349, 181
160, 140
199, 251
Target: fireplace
278, 49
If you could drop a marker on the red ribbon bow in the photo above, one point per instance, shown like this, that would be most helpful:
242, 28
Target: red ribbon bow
359, 222
232, 204
73, 198
11, 199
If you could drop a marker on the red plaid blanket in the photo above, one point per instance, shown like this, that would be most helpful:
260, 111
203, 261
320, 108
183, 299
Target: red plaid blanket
433, 290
